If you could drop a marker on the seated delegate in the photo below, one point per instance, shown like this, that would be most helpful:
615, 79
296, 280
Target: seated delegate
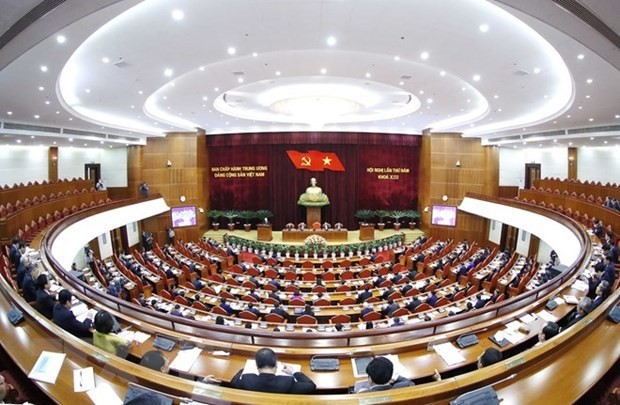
268, 381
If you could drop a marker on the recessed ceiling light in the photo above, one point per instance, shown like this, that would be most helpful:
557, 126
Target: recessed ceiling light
41, 88
70, 118
499, 110
401, 83
11, 113
568, 116
524, 143
201, 68
587, 96
278, 73
43, 68
570, 144
368, 75
140, 92
469, 100
429, 100
85, 144
216, 89
61, 39
254, 54
231, 51
178, 15
463, 88
555, 140
37, 116
580, 56
537, 70
589, 81
87, 90
540, 145
396, 58
421, 92
424, 55
495, 96
47, 102
546, 96
442, 73
605, 142
476, 78
580, 107
31, 136
331, 41
617, 116
591, 138
101, 142
19, 141
168, 72
590, 119
205, 98
483, 28
323, 71
105, 59
240, 80
54, 142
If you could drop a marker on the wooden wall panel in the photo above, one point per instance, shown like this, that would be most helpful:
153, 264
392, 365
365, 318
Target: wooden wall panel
572, 163
52, 163
453, 166
184, 176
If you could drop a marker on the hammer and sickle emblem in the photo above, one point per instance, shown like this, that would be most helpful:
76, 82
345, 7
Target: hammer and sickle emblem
306, 161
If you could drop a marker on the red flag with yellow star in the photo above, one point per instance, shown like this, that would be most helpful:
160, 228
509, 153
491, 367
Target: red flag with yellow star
315, 160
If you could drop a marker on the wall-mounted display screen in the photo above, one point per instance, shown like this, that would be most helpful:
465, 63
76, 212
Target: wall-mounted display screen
443, 215
183, 216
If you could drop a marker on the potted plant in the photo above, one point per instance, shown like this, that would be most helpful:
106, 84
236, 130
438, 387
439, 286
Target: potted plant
214, 215
397, 215
413, 216
247, 217
381, 214
364, 216
231, 215
264, 215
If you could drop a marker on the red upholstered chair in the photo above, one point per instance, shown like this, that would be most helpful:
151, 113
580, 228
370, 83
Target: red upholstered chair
343, 288
372, 300
423, 307
275, 318
340, 318
290, 275
181, 300
165, 294
327, 264
219, 311
247, 315
346, 275
329, 276
248, 298
322, 303
309, 277
441, 302
348, 301
319, 288
199, 305
400, 312
307, 265
372, 316
307, 320
412, 292
297, 302
270, 301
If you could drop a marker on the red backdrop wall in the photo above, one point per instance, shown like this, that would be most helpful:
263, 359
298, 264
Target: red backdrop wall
253, 171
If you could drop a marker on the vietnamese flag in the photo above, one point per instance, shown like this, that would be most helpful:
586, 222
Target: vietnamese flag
315, 161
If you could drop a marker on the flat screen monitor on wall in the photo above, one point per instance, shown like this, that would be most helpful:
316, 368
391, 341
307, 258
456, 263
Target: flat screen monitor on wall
444, 215
183, 216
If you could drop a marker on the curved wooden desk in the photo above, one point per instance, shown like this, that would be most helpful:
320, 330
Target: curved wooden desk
409, 343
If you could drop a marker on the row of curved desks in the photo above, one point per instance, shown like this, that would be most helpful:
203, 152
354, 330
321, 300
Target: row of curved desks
549, 370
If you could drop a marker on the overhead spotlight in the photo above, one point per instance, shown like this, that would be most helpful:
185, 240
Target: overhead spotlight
476, 78
61, 39
178, 15
105, 59
483, 28
43, 68
231, 51
424, 55
168, 72
331, 41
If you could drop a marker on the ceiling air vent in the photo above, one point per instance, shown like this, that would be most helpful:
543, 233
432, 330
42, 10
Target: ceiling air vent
120, 63
406, 77
26, 127
583, 13
239, 73
521, 72
83, 133
610, 128
28, 19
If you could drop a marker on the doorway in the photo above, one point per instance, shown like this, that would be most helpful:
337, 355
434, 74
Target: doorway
532, 172
92, 171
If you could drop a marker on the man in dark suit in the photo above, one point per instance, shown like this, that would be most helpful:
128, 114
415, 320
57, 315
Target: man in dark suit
583, 308
406, 288
601, 293
226, 306
389, 308
364, 295
432, 300
414, 304
380, 371
268, 381
367, 309
609, 273
277, 310
253, 310
64, 318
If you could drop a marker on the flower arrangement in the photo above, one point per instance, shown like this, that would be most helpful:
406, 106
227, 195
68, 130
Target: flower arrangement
315, 243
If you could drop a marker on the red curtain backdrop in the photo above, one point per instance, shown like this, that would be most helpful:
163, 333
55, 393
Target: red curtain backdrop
367, 158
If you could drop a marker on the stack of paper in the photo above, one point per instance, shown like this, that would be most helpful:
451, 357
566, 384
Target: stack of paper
47, 367
185, 359
449, 353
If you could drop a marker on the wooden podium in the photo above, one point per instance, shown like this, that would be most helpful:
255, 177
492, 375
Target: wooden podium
367, 232
264, 232
313, 214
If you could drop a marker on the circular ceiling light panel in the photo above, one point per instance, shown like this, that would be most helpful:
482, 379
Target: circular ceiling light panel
317, 101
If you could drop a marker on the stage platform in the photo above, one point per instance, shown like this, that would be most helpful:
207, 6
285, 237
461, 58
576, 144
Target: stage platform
353, 236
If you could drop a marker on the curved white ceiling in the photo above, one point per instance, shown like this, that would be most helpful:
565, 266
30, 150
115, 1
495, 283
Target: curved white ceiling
438, 51
141, 69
